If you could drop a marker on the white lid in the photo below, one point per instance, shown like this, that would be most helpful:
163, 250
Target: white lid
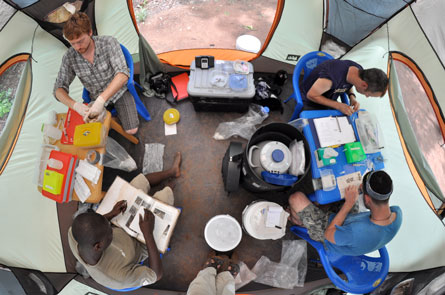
222, 233
254, 221
275, 157
248, 43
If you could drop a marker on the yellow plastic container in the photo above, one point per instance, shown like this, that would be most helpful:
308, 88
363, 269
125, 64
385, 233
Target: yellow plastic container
52, 182
171, 116
89, 135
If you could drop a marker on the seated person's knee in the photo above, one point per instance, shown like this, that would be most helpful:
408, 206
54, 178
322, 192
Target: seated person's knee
298, 201
132, 131
295, 197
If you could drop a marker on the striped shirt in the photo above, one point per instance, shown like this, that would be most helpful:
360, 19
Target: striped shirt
108, 61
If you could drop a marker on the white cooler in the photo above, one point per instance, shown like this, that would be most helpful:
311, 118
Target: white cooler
220, 88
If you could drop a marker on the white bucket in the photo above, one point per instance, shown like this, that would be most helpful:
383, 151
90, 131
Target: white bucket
255, 217
223, 233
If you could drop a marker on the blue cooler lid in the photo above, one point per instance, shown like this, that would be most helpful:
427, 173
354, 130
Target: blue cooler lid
238, 82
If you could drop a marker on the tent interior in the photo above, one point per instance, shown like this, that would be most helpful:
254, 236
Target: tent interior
403, 38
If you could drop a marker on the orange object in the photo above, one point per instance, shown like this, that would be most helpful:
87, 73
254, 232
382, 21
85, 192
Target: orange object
69, 164
180, 82
72, 120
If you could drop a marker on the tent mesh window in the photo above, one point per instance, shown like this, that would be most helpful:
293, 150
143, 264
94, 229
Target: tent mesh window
425, 126
8, 86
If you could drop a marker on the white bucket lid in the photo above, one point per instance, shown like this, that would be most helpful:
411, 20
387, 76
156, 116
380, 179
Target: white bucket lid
248, 43
223, 233
254, 221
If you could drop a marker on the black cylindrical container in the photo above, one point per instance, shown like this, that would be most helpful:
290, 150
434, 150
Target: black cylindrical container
284, 133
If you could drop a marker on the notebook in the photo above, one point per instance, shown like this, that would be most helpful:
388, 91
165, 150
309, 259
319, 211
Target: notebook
334, 131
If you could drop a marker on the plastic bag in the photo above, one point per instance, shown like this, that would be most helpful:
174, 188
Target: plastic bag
243, 126
290, 272
298, 159
244, 277
370, 133
117, 157
153, 158
299, 123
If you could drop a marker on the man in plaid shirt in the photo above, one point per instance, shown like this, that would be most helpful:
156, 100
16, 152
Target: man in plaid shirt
99, 63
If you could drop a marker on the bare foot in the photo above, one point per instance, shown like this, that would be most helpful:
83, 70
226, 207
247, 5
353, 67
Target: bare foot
176, 171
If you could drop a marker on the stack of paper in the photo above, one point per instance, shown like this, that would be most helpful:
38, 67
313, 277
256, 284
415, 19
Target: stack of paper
334, 131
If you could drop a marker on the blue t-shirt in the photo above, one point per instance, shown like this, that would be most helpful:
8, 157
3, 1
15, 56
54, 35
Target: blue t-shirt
358, 235
335, 70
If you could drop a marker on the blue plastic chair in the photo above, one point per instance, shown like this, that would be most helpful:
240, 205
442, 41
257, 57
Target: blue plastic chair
364, 273
140, 107
307, 63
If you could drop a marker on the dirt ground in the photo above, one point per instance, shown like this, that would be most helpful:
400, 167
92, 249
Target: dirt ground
179, 24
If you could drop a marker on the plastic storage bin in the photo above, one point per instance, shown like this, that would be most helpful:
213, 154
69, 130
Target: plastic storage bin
89, 135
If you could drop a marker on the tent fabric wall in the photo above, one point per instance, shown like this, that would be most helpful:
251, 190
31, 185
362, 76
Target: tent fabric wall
25, 242
299, 30
422, 234
429, 14
113, 19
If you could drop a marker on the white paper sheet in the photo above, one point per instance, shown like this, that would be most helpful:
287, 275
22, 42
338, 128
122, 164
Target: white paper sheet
334, 131
170, 129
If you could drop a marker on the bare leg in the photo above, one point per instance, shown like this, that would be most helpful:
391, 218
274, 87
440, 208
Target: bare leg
174, 171
297, 202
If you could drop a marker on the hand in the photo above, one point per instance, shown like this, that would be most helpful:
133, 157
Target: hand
119, 207
147, 223
345, 109
351, 195
80, 108
96, 109
355, 104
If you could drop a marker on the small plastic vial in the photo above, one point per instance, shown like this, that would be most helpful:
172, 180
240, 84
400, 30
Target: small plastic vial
55, 164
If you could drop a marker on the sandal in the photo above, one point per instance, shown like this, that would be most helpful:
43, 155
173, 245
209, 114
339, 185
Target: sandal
215, 262
233, 268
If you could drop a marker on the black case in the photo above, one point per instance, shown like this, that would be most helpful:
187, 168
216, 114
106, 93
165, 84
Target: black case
231, 166
220, 104
203, 60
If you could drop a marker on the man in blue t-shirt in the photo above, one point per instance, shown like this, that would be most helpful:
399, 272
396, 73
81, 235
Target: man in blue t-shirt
334, 77
349, 232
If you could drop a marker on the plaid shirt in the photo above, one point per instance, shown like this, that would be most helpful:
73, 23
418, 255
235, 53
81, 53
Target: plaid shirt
108, 61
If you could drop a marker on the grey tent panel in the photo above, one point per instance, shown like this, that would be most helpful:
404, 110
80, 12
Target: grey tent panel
9, 283
352, 20
24, 3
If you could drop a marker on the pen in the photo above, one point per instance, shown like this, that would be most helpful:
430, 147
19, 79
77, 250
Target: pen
338, 124
279, 227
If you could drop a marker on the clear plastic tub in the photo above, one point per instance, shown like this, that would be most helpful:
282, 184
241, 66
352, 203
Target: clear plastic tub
238, 82
328, 181
218, 78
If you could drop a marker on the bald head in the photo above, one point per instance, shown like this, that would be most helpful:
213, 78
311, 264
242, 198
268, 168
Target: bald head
90, 228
